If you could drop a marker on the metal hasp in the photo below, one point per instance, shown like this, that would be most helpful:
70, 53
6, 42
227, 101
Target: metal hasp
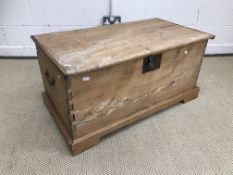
151, 62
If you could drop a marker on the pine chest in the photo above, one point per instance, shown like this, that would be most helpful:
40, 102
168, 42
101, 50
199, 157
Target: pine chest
100, 79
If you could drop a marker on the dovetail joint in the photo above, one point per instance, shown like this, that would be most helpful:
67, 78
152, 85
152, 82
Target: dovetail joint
70, 103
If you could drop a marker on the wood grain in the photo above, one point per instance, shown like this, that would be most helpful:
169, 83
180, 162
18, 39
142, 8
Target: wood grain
58, 92
99, 85
80, 51
79, 145
121, 90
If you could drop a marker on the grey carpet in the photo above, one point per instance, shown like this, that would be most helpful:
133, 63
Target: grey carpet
191, 138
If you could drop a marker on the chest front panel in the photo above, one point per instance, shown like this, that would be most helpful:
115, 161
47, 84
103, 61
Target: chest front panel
107, 95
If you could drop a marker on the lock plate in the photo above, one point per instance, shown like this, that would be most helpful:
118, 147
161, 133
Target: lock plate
151, 62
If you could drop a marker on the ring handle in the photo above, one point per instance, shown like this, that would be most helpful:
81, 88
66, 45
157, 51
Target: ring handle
50, 79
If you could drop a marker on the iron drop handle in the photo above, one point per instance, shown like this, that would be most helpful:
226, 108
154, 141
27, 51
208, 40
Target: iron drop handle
50, 79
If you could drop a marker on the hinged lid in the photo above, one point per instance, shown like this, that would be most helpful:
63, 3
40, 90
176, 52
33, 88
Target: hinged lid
84, 50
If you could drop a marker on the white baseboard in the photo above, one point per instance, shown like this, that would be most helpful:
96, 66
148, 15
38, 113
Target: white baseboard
31, 50
219, 49
17, 51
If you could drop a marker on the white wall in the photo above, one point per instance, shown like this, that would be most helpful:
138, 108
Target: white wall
19, 19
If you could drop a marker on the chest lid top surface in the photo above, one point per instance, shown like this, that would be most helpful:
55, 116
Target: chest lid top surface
79, 51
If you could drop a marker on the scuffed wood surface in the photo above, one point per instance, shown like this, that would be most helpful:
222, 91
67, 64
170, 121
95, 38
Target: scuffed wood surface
79, 51
57, 93
121, 90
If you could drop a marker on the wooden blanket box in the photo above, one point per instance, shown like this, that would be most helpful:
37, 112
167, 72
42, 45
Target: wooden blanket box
101, 79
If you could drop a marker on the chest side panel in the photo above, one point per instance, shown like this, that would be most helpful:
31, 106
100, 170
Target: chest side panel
55, 86
107, 95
